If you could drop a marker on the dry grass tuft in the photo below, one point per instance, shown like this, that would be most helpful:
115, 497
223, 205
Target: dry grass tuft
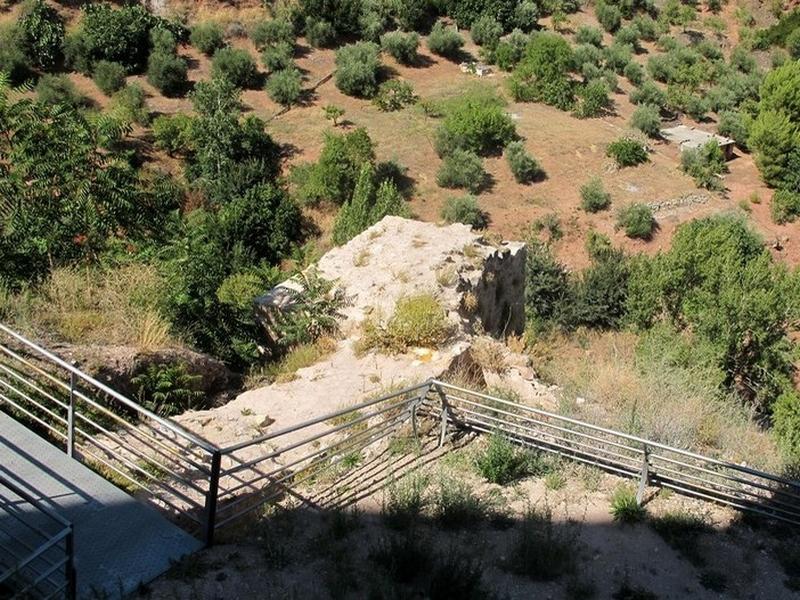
490, 354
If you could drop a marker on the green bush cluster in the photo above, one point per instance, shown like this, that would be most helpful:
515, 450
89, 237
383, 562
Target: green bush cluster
785, 206
394, 95
461, 169
357, 68
445, 41
41, 31
285, 86
523, 166
234, 65
464, 209
278, 57
165, 69
476, 122
109, 76
58, 90
418, 320
705, 164
486, 31
401, 46
594, 197
647, 119
208, 37
636, 220
372, 200
543, 73
272, 32
627, 152
501, 462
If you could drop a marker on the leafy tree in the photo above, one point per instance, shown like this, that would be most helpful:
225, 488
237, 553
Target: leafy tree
543, 75
208, 37
547, 286
609, 16
401, 46
486, 31
343, 16
785, 206
511, 50
594, 197
12, 59
593, 100
414, 15
285, 86
357, 68
618, 56
445, 41
720, 284
586, 34
649, 93
173, 133
524, 167
476, 122
167, 72
466, 12
735, 125
272, 32
319, 32
278, 57
116, 34
41, 33
636, 220
376, 18
69, 199
705, 164
394, 95
109, 76
773, 138
461, 169
526, 15
647, 119
333, 177
230, 154
599, 295
369, 204
627, 152
334, 113
235, 65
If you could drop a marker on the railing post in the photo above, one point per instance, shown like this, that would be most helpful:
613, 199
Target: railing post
71, 416
210, 511
445, 415
644, 479
72, 583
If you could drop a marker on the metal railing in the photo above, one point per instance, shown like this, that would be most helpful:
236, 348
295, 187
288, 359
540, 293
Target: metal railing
651, 463
207, 487
36, 547
132, 446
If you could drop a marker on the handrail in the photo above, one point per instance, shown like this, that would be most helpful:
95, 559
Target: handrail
51, 541
169, 424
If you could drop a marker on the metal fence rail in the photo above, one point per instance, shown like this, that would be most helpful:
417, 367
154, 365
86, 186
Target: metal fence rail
36, 547
650, 462
132, 446
207, 488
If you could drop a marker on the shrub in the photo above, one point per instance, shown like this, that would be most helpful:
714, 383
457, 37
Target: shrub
587, 34
12, 59
167, 72
501, 462
486, 31
541, 550
609, 16
130, 105
272, 32
235, 66
461, 169
785, 206
476, 122
734, 125
624, 506
793, 44
445, 41
649, 93
594, 197
394, 95
593, 100
523, 166
464, 209
285, 87
543, 74
207, 37
369, 204
172, 133
278, 57
546, 285
510, 50
634, 73
334, 176
319, 32
333, 112
618, 56
705, 164
627, 152
168, 390
401, 46
418, 321
58, 89
116, 34
109, 76
647, 119
403, 557
357, 68
637, 221
627, 36
404, 501
41, 33
456, 506
786, 425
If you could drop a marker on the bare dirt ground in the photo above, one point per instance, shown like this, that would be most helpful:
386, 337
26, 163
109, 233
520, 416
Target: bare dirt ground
302, 553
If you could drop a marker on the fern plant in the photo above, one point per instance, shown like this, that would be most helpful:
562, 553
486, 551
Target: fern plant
168, 390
